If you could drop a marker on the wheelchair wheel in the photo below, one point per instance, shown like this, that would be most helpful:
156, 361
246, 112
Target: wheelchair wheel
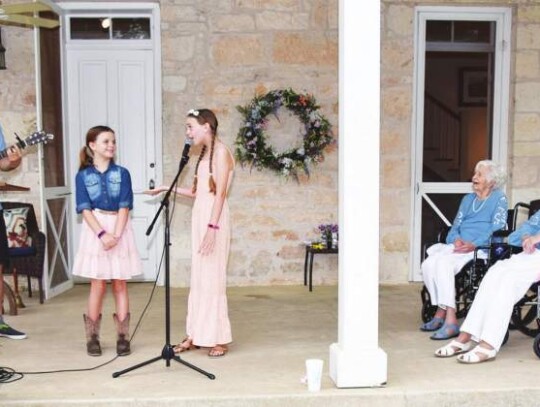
428, 310
536, 346
465, 291
524, 315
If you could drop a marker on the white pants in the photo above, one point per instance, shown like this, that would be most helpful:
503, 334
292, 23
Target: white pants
504, 284
439, 270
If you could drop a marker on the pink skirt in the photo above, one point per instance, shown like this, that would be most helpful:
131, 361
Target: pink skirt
119, 263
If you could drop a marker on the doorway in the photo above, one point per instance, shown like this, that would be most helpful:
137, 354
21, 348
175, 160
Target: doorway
462, 76
112, 77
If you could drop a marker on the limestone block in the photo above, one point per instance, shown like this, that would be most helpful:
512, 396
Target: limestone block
395, 206
181, 13
528, 14
178, 48
306, 49
333, 14
395, 240
319, 14
289, 5
395, 139
285, 234
397, 55
174, 83
261, 263
398, 20
527, 127
396, 172
526, 97
237, 50
528, 36
527, 149
291, 252
525, 173
281, 20
527, 65
233, 23
525, 194
394, 267
396, 103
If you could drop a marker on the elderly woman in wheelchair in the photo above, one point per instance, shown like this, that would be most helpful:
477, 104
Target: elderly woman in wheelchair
480, 213
505, 283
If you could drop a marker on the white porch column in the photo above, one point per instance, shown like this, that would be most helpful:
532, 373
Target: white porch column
356, 360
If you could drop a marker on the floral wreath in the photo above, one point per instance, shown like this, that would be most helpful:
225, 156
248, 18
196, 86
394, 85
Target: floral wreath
251, 144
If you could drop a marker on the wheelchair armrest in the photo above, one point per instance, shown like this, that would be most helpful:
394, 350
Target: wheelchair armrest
477, 249
501, 233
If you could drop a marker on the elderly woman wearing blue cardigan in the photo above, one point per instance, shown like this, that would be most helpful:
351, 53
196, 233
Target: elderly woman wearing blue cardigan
504, 284
480, 213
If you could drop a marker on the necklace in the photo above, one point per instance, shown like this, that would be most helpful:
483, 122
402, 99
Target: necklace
476, 210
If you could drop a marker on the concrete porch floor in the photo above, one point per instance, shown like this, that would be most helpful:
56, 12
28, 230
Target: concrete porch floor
275, 330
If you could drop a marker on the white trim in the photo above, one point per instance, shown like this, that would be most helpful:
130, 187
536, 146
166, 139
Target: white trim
502, 16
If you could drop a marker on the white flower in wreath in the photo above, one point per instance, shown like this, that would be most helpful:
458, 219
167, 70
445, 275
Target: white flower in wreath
193, 112
301, 151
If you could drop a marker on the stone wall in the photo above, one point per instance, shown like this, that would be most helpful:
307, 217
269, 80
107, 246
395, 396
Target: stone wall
397, 33
219, 54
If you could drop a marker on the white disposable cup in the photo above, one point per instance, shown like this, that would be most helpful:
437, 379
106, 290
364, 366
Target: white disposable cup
314, 368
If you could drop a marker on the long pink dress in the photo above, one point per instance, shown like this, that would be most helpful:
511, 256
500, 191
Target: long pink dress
207, 321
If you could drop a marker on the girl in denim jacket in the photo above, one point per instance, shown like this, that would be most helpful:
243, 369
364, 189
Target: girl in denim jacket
107, 249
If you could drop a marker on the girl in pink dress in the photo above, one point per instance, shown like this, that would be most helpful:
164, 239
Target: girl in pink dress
207, 323
107, 249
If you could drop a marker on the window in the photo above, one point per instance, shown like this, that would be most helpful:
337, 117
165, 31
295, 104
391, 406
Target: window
107, 28
459, 31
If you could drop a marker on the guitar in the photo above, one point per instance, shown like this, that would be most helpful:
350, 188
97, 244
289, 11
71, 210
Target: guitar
34, 138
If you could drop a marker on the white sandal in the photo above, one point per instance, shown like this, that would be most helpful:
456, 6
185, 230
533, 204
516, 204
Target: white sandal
472, 357
454, 348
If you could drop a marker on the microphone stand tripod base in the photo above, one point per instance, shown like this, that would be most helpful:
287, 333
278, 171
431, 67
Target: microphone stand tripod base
167, 353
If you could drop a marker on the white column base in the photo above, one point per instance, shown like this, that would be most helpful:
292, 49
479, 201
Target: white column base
357, 367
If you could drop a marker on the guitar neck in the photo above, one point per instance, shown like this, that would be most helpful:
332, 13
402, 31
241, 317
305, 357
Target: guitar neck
4, 153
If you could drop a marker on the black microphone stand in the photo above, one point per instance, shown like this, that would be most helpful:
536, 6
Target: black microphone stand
167, 352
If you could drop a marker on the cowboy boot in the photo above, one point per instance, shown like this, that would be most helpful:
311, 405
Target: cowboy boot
93, 348
122, 342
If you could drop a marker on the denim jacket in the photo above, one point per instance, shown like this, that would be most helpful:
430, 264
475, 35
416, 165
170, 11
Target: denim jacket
109, 191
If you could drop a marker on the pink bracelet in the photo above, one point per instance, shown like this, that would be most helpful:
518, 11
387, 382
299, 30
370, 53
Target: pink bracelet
211, 226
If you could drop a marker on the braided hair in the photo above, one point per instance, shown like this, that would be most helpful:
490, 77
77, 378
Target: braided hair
86, 156
204, 116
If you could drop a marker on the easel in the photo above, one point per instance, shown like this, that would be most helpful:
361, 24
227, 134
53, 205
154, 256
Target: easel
13, 296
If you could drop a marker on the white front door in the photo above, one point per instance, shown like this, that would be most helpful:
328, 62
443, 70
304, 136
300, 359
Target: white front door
461, 99
115, 87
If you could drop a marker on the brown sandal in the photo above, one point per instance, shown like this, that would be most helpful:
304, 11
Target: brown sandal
184, 346
218, 351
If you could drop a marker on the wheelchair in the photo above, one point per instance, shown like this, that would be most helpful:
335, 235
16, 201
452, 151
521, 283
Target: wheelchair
468, 279
525, 316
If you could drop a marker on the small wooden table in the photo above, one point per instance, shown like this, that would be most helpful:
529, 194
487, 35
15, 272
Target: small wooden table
308, 262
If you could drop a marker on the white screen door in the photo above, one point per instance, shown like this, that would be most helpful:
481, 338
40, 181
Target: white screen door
115, 87
461, 98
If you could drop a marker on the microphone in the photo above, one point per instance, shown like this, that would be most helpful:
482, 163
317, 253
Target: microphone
187, 146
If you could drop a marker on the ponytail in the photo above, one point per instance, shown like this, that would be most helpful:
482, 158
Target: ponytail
86, 158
